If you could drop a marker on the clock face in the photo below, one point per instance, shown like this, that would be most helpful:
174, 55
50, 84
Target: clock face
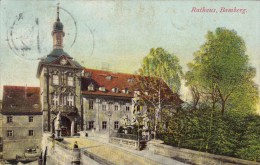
63, 61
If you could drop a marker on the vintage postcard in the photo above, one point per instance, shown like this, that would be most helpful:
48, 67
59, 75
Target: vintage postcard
129, 82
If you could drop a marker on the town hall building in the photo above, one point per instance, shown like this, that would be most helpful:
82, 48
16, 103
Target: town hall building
87, 99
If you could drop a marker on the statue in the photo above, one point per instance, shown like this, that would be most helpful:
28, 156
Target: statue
57, 122
125, 120
57, 127
146, 121
134, 120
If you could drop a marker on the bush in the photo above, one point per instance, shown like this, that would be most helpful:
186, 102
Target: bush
208, 131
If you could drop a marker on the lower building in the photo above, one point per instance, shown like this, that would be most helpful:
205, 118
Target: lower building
21, 122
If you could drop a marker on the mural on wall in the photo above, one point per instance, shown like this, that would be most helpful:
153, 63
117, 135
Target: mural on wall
185, 74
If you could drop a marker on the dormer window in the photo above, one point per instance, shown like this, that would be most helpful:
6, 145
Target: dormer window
109, 77
91, 87
136, 93
103, 89
125, 91
131, 80
70, 81
115, 90
55, 79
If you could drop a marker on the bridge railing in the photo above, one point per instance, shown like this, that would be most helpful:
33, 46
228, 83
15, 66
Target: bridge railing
126, 136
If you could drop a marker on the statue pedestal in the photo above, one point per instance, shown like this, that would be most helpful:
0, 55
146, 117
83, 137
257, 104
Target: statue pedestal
58, 135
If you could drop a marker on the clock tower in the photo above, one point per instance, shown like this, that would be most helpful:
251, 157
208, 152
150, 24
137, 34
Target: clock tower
60, 85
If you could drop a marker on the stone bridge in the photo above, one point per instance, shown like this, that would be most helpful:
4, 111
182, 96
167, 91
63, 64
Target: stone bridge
94, 151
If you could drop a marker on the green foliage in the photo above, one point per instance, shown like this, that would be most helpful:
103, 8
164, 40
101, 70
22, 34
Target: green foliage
208, 131
221, 75
250, 146
220, 80
159, 63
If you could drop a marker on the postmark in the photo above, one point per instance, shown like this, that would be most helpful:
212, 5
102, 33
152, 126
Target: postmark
27, 35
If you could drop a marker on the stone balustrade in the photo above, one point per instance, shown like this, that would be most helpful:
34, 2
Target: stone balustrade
194, 157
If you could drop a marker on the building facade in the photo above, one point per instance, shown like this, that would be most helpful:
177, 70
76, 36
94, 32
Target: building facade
107, 99
21, 121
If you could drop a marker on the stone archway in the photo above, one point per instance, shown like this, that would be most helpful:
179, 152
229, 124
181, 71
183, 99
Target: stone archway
69, 125
65, 126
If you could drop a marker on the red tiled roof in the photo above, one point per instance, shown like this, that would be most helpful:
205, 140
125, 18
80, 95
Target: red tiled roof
100, 78
20, 100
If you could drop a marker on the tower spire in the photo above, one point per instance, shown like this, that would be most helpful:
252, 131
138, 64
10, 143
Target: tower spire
58, 12
57, 32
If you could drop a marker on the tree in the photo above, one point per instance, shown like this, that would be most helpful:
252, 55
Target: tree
161, 64
221, 69
160, 75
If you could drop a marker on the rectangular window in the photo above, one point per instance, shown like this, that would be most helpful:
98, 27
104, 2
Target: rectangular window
127, 107
63, 100
30, 118
104, 107
116, 107
70, 100
116, 124
55, 99
10, 133
30, 132
70, 81
110, 106
104, 125
55, 79
9, 119
90, 124
91, 104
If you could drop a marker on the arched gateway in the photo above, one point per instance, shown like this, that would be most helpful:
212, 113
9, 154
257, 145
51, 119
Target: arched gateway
68, 125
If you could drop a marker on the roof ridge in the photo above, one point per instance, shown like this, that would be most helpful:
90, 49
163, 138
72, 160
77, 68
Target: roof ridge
111, 71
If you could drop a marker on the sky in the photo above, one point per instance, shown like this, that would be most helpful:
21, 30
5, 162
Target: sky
118, 34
